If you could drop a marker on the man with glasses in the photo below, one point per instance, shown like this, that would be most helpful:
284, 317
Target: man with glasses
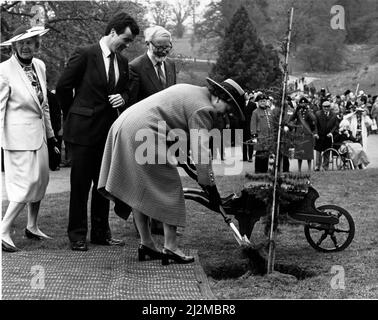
92, 92
151, 73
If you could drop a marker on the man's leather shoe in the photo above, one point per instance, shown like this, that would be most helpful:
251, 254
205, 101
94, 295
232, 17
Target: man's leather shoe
79, 246
5, 246
108, 242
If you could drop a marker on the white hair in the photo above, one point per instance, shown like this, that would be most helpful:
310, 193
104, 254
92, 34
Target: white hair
155, 32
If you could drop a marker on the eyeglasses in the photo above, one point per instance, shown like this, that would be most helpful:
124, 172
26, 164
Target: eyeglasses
162, 48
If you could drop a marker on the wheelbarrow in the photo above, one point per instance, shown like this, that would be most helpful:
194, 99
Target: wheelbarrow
327, 228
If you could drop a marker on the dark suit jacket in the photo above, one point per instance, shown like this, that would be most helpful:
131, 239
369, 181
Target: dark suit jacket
144, 80
82, 93
324, 126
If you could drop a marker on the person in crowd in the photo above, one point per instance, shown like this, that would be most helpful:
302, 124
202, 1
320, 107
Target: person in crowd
93, 91
374, 115
152, 72
359, 122
248, 148
26, 132
286, 141
151, 186
261, 132
349, 147
326, 125
303, 122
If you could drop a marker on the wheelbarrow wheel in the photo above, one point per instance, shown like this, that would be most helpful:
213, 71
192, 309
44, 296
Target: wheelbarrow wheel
331, 238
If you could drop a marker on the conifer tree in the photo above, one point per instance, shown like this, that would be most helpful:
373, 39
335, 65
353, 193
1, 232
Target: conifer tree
244, 58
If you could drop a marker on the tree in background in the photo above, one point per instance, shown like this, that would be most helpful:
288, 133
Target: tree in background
71, 24
161, 12
244, 58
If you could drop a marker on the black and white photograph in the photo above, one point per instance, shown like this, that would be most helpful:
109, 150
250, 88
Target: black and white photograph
191, 156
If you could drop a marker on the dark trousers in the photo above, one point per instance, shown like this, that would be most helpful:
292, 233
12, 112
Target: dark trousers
85, 169
285, 164
261, 161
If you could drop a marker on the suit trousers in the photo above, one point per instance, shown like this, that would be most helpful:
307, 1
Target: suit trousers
85, 169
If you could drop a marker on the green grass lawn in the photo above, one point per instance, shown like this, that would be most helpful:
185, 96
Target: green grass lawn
221, 257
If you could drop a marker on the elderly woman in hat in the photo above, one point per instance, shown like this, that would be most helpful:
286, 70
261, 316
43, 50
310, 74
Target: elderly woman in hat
139, 168
360, 122
304, 123
26, 130
350, 146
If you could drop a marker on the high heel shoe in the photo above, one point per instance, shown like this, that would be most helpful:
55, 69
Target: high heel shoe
5, 246
170, 255
144, 251
31, 235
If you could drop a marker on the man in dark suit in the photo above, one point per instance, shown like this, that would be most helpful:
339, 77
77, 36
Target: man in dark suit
326, 123
150, 73
248, 149
92, 91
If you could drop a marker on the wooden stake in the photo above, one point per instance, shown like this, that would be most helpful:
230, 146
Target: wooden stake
275, 205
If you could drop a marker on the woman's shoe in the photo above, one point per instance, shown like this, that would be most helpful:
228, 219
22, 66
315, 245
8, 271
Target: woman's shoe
32, 235
8, 247
170, 255
144, 251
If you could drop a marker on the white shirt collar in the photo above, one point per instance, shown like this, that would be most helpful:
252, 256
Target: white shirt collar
104, 48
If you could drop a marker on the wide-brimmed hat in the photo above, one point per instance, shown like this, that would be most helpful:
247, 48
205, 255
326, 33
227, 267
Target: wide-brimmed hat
25, 32
234, 92
261, 96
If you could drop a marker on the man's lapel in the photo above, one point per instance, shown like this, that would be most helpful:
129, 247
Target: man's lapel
150, 71
97, 54
169, 73
123, 71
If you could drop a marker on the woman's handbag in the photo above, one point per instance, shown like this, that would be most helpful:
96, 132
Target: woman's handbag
54, 154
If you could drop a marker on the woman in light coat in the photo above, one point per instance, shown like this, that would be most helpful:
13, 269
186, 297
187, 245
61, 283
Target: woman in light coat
25, 131
138, 165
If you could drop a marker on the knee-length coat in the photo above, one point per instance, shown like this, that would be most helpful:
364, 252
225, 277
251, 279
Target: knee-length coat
155, 188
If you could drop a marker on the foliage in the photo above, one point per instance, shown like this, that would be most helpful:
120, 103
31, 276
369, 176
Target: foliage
314, 43
71, 24
172, 16
243, 56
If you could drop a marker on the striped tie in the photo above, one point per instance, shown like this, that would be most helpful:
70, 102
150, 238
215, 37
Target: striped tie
161, 74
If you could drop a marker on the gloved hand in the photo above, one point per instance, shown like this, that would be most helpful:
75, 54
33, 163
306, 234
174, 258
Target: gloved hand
213, 195
54, 153
52, 144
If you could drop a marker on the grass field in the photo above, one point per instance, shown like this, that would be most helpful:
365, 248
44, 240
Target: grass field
221, 258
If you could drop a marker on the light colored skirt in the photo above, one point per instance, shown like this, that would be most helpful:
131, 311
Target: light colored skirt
26, 174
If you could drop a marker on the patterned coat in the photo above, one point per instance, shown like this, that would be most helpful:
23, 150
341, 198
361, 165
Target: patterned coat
155, 188
262, 125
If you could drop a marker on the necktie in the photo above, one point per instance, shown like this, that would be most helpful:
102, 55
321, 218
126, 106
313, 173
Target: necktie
111, 74
161, 74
